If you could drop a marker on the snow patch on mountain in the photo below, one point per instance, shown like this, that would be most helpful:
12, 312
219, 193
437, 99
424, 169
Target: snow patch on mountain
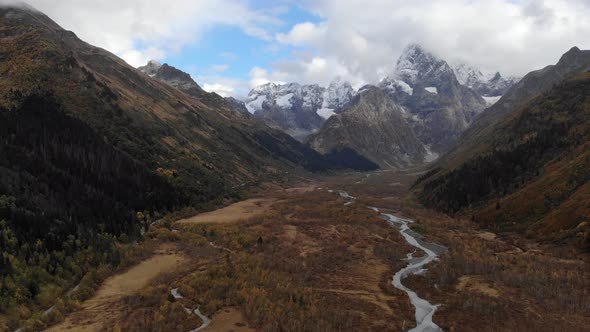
393, 85
432, 89
298, 109
491, 100
256, 104
284, 100
469, 75
326, 112
430, 155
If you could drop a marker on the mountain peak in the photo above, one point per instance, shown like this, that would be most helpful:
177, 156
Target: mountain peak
154, 63
417, 64
574, 49
173, 77
338, 94
573, 55
151, 68
264, 88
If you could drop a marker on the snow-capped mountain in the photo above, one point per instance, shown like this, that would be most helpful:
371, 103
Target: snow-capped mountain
337, 95
437, 106
469, 75
298, 109
488, 85
418, 66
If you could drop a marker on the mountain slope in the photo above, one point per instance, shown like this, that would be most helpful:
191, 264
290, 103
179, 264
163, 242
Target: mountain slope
92, 149
534, 174
153, 122
475, 139
372, 125
440, 107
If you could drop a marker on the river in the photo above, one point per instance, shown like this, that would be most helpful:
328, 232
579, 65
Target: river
416, 265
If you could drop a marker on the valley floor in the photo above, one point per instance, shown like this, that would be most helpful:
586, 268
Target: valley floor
301, 260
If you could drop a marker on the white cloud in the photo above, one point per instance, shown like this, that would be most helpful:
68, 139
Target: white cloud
361, 39
358, 40
222, 90
302, 34
139, 30
258, 76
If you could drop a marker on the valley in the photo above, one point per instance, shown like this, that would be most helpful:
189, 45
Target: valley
308, 258
405, 191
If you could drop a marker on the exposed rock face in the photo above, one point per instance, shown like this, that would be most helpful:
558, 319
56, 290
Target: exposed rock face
439, 107
238, 105
298, 109
374, 126
173, 77
184, 82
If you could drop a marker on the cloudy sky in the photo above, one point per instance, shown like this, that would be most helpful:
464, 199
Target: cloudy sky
229, 46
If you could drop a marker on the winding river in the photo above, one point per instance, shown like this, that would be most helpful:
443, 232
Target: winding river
424, 309
205, 319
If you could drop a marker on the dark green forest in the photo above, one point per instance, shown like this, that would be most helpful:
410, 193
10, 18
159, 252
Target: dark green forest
65, 197
494, 174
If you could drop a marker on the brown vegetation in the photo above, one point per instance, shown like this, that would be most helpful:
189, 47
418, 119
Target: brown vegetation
493, 281
105, 306
311, 263
238, 211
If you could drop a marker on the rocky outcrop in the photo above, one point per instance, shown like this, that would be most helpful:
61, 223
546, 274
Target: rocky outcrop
375, 127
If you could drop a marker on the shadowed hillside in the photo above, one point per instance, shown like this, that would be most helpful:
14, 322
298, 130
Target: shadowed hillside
534, 175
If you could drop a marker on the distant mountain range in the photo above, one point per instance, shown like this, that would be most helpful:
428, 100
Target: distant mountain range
298, 109
438, 101
488, 85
